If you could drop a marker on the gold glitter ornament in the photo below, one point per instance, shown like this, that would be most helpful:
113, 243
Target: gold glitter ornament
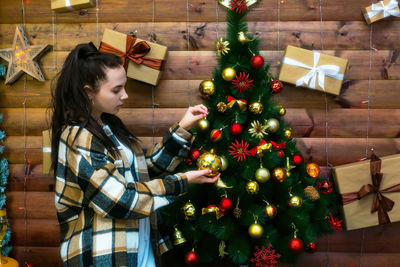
295, 201
252, 187
189, 211
222, 47
207, 88
228, 74
288, 133
281, 110
279, 174
211, 161
257, 130
313, 170
178, 237
311, 192
256, 108
221, 107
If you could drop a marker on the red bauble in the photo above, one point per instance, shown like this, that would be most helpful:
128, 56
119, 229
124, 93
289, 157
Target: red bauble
276, 87
192, 258
236, 129
297, 160
194, 154
226, 204
296, 245
281, 154
311, 247
257, 62
216, 135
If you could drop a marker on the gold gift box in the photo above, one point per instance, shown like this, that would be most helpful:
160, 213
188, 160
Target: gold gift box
70, 5
291, 74
378, 16
351, 177
135, 71
46, 164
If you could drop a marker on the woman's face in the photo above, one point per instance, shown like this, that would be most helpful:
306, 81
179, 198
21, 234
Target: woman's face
111, 95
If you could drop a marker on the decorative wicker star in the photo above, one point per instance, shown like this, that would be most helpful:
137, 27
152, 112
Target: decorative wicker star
21, 57
257, 130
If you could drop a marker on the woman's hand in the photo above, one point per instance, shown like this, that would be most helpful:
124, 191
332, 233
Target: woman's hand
192, 115
199, 177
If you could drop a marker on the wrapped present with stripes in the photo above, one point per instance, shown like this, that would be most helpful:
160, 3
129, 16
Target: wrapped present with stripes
143, 60
70, 5
311, 69
381, 10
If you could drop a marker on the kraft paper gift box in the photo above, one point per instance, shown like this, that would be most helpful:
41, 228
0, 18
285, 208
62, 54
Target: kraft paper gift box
381, 10
355, 179
313, 70
70, 5
46, 164
143, 60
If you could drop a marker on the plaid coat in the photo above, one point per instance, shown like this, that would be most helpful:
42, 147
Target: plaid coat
96, 206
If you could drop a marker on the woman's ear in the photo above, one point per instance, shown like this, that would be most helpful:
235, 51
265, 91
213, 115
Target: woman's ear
89, 91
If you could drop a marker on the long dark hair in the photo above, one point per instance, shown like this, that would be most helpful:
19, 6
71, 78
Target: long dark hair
84, 66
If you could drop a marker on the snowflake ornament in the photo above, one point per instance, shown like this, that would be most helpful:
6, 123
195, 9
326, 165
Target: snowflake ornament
265, 257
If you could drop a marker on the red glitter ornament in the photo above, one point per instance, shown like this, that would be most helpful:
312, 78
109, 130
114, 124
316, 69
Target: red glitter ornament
236, 129
226, 204
257, 62
281, 154
297, 159
192, 258
239, 5
239, 151
276, 87
311, 247
194, 154
242, 82
265, 257
296, 245
216, 135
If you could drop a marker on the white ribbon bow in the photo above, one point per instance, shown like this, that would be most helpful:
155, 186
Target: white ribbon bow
387, 10
311, 77
68, 5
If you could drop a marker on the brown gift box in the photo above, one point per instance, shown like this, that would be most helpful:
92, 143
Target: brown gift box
291, 74
351, 177
140, 72
378, 16
70, 5
46, 167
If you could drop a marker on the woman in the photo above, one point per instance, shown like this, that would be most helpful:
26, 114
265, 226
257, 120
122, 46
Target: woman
106, 189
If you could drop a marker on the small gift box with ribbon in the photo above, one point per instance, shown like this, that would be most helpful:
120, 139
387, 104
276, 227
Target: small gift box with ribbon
381, 10
142, 59
70, 5
46, 163
313, 70
370, 191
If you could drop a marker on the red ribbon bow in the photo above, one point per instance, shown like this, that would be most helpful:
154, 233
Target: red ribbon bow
278, 146
134, 52
380, 203
259, 148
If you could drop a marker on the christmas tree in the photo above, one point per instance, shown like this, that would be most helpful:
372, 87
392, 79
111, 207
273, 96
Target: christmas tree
268, 204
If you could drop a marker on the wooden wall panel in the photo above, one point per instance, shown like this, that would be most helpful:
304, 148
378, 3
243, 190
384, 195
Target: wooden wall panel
344, 34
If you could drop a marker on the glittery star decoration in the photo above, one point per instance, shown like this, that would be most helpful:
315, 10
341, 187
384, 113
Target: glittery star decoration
21, 57
265, 257
257, 130
222, 47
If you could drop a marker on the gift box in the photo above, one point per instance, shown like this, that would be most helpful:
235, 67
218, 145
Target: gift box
313, 70
381, 10
46, 163
370, 191
70, 5
143, 60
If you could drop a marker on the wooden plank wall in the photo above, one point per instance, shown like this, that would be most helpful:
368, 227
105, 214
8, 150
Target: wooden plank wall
343, 33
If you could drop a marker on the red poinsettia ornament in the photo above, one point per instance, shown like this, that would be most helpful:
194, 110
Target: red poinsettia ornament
239, 5
242, 82
239, 151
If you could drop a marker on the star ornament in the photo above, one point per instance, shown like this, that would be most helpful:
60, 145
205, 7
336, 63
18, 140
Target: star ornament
21, 58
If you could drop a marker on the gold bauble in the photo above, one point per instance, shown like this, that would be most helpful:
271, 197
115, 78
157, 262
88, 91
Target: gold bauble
288, 133
256, 108
279, 174
256, 231
228, 74
243, 38
189, 211
210, 161
178, 237
207, 88
272, 125
203, 125
295, 201
252, 187
262, 175
281, 110
313, 170
224, 163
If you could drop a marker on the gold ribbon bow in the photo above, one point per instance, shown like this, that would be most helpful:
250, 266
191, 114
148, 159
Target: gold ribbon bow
242, 103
